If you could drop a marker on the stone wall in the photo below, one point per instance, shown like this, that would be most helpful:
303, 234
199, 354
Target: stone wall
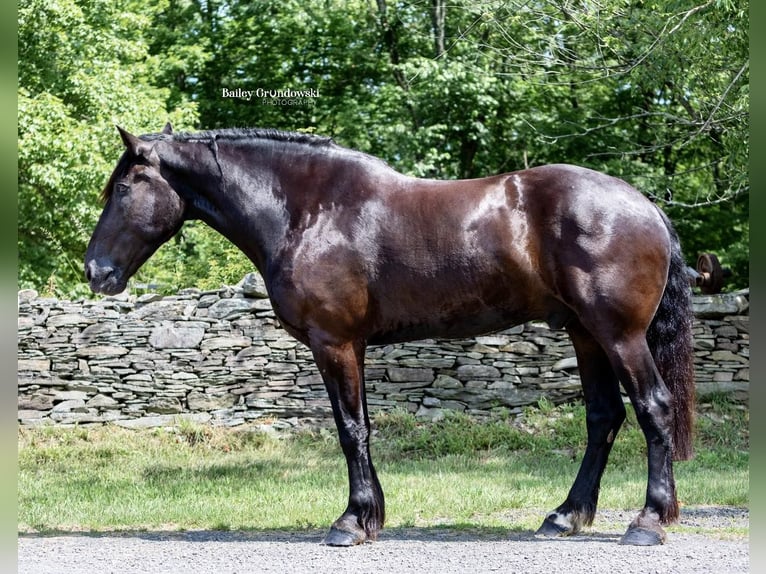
221, 357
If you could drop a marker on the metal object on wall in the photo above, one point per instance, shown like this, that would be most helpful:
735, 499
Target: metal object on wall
709, 275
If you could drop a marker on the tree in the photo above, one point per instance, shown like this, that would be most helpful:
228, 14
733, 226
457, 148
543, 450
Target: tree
82, 67
653, 92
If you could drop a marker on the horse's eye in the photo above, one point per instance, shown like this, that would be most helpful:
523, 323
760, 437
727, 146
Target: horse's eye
122, 188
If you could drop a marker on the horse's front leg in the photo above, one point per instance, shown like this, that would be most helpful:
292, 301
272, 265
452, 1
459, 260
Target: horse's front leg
342, 369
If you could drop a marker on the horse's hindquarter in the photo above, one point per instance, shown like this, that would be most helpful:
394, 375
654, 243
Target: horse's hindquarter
604, 247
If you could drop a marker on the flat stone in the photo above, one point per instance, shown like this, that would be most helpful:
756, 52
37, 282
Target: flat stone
252, 352
720, 305
493, 340
430, 363
521, 348
102, 402
206, 300
139, 378
226, 343
742, 375
433, 415
182, 376
69, 396
75, 417
164, 405
387, 388
148, 298
253, 286
704, 344
309, 380
66, 406
174, 336
39, 365
37, 402
472, 372
727, 357
67, 320
567, 364
479, 349
27, 295
205, 402
501, 385
405, 374
281, 368
30, 415
102, 351
447, 382
83, 386
284, 344
229, 308
163, 309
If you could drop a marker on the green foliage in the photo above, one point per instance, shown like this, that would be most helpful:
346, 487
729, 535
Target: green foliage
455, 434
655, 93
542, 429
196, 257
82, 68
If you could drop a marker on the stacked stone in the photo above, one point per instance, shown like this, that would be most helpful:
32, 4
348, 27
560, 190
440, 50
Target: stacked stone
722, 345
507, 370
221, 357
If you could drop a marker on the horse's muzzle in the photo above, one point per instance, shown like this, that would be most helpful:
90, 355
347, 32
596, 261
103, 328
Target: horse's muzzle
104, 279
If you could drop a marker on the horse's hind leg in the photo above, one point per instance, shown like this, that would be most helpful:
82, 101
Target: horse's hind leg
342, 369
653, 404
605, 414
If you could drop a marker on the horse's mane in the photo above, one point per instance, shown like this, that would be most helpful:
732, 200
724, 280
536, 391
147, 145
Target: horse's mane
235, 134
244, 135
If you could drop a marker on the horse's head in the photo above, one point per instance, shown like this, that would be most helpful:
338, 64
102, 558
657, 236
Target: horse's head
141, 212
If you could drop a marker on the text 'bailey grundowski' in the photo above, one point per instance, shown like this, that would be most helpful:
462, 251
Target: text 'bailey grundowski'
241, 94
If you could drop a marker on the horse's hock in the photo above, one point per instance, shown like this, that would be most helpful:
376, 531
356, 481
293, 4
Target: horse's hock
221, 357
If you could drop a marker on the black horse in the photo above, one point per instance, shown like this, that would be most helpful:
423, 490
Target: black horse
355, 254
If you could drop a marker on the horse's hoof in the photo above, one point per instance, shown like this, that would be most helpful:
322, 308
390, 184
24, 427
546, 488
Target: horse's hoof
638, 536
551, 529
338, 537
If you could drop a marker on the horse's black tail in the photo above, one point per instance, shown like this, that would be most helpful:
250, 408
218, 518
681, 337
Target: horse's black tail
670, 341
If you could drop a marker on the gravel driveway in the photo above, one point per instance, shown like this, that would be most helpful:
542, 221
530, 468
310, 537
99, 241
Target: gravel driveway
421, 550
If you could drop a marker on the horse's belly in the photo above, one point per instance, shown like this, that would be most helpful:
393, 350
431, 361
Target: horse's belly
448, 319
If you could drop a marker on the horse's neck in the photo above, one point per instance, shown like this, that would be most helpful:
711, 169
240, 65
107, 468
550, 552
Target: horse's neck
247, 206
263, 192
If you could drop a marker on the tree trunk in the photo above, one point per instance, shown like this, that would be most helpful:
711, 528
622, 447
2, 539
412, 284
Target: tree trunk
438, 15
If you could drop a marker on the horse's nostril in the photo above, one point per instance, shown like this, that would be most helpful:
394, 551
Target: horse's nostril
95, 273
92, 270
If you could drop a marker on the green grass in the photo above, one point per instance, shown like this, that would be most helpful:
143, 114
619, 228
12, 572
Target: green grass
504, 472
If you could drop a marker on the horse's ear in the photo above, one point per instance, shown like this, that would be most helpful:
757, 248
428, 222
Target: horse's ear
132, 143
168, 129
135, 145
